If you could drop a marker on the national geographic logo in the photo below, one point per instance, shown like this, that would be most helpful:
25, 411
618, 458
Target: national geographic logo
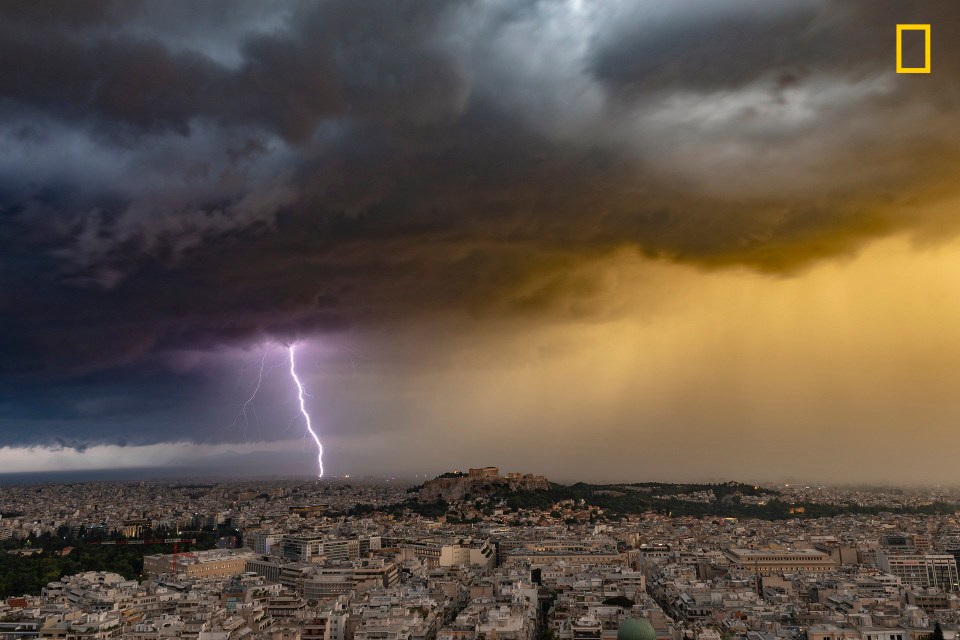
923, 28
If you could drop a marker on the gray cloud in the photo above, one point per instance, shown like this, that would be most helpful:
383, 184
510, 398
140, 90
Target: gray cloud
342, 164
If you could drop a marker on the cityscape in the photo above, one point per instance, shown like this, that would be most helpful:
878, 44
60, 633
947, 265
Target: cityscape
477, 555
479, 319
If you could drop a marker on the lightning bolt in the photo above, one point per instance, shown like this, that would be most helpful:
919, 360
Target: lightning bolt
248, 403
303, 407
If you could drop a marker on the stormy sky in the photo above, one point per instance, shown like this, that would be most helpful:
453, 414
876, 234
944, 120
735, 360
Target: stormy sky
597, 239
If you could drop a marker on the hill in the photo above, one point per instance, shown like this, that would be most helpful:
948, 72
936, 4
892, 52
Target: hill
729, 499
480, 483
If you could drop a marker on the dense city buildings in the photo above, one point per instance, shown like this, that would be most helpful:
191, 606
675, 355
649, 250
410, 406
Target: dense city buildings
288, 560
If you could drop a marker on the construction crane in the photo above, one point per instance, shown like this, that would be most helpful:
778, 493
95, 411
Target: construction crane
174, 541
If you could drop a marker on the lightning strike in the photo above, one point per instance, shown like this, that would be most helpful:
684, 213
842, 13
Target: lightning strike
248, 403
303, 408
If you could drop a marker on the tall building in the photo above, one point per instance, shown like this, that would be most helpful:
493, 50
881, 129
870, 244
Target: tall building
922, 570
263, 542
331, 625
323, 582
320, 547
473, 552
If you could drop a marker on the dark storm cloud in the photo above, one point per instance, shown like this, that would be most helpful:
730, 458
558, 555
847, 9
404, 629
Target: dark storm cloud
369, 60
725, 45
100, 408
71, 15
176, 176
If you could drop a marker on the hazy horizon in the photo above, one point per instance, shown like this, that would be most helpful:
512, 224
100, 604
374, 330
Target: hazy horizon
294, 465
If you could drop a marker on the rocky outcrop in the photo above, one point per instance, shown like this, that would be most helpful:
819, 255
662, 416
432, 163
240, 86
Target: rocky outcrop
468, 487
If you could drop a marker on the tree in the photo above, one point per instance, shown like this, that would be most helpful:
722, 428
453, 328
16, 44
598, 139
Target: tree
619, 601
937, 632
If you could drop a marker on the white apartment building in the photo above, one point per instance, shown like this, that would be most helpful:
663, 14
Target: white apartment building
474, 553
926, 570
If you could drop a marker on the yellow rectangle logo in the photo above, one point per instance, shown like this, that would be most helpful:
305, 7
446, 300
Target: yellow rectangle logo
926, 48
